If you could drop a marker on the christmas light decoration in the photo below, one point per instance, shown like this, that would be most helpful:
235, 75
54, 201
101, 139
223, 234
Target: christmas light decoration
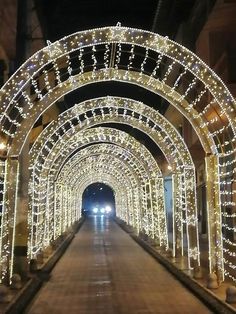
196, 91
124, 140
148, 114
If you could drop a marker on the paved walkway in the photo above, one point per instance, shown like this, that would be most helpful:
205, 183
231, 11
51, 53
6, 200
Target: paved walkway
104, 272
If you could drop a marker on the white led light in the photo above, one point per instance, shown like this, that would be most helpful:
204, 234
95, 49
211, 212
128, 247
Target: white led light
204, 100
95, 210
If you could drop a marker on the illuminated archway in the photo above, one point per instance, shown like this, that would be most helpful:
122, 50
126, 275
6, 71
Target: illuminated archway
39, 83
149, 171
127, 111
153, 213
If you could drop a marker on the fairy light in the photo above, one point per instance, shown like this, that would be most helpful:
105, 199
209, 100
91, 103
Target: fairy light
189, 88
81, 61
36, 88
178, 80
106, 56
137, 168
157, 66
94, 61
56, 71
199, 97
118, 56
14, 222
189, 221
169, 70
46, 81
212, 133
143, 64
4, 253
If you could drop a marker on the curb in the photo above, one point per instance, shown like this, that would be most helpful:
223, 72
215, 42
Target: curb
205, 295
26, 294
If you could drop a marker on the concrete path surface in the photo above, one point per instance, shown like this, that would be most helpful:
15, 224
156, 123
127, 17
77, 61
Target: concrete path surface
104, 272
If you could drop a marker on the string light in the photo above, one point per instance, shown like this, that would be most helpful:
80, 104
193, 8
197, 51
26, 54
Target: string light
114, 149
211, 131
125, 115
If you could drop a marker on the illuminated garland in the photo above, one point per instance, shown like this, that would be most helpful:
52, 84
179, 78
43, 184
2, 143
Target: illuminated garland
137, 168
31, 90
41, 240
148, 116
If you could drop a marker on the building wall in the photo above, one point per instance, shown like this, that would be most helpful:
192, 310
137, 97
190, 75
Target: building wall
216, 44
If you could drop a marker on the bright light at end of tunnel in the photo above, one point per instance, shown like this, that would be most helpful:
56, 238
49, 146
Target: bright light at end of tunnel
95, 210
108, 209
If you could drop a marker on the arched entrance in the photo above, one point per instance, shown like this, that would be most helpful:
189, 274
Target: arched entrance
127, 111
62, 67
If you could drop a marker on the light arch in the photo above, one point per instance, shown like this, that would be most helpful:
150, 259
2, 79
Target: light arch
117, 103
119, 35
116, 185
150, 219
155, 216
93, 135
151, 166
43, 226
15, 99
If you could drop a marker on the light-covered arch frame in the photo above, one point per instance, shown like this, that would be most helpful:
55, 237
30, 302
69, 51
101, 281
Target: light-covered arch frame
91, 112
137, 214
118, 182
217, 115
122, 110
148, 217
60, 50
57, 154
119, 151
88, 137
188, 189
45, 217
111, 135
117, 185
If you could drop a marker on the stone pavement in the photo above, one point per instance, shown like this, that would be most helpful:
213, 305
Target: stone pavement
104, 272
